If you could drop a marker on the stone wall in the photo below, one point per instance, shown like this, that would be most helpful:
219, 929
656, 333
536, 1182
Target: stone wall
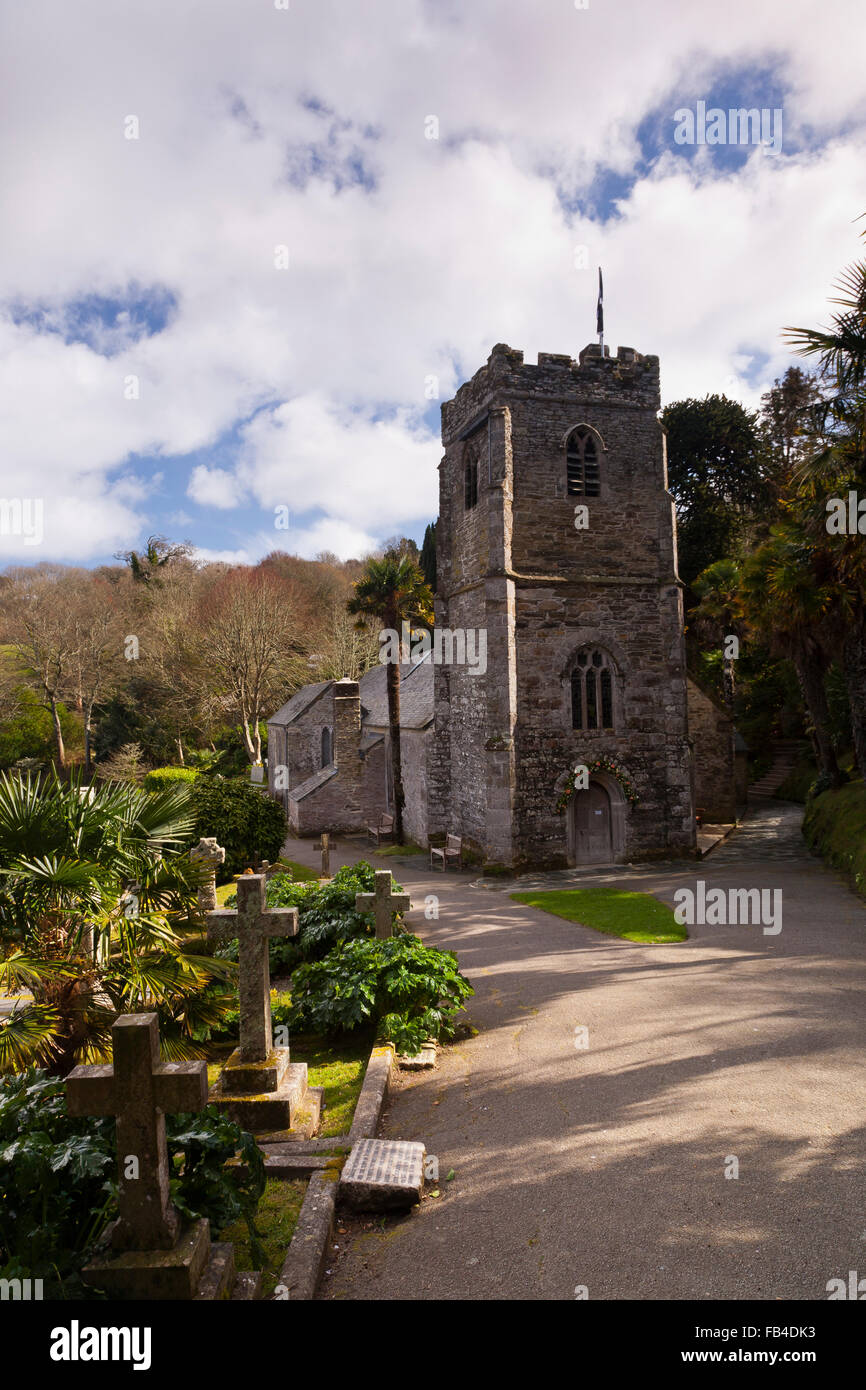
517, 565
712, 733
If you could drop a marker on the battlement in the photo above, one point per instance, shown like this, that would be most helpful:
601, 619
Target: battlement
629, 378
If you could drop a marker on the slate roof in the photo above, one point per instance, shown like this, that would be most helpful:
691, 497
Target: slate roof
301, 700
313, 783
416, 696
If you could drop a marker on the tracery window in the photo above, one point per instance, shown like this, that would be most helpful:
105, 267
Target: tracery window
592, 690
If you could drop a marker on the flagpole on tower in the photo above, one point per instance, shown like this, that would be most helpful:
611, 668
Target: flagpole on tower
599, 313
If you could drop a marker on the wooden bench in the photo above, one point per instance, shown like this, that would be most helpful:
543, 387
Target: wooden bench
452, 849
382, 830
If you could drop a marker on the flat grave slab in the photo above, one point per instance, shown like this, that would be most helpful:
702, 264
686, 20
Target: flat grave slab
383, 1173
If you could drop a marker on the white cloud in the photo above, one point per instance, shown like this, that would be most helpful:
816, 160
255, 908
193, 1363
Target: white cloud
463, 242
213, 487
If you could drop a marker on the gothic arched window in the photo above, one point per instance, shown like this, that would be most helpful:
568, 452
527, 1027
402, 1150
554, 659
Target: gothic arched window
326, 748
470, 479
592, 690
582, 466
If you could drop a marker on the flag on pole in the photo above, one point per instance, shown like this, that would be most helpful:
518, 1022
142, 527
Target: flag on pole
599, 312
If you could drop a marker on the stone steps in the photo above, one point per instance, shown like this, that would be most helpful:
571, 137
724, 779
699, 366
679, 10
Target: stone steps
782, 765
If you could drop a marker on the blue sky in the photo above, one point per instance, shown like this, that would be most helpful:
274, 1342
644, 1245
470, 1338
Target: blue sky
327, 218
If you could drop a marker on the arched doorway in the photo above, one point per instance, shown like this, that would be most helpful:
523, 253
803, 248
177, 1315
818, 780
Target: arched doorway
595, 823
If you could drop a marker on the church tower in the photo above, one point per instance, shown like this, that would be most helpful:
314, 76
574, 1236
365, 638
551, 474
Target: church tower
556, 537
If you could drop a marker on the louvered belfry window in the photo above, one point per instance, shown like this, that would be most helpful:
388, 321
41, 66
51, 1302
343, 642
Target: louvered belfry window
582, 464
592, 690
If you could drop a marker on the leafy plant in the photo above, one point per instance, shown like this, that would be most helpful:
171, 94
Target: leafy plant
58, 1189
327, 915
246, 821
411, 991
97, 905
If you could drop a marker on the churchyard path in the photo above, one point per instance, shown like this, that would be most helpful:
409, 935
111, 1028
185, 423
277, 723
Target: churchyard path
605, 1167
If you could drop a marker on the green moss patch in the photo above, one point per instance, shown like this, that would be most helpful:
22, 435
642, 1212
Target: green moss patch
339, 1067
835, 826
276, 1219
633, 916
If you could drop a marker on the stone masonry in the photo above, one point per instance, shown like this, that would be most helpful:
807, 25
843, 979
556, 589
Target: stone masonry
515, 564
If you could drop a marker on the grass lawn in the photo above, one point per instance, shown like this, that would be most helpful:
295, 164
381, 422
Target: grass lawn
339, 1066
633, 916
398, 850
276, 1219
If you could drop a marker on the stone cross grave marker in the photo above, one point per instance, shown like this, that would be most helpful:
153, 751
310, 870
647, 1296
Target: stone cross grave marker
208, 853
139, 1090
253, 923
383, 902
326, 856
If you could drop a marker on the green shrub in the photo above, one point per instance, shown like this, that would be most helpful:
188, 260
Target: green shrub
409, 990
58, 1188
161, 777
327, 915
835, 827
247, 822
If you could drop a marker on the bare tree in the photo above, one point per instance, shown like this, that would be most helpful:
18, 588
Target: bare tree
96, 634
39, 627
340, 647
250, 642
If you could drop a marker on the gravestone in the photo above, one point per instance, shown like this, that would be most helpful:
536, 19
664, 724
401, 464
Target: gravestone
381, 1174
260, 1087
383, 902
326, 856
208, 853
156, 1256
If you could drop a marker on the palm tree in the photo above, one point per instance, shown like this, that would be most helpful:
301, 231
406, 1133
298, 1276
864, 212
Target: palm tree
786, 602
719, 613
841, 464
393, 591
97, 914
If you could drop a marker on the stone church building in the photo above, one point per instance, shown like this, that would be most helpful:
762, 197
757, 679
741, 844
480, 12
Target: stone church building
557, 538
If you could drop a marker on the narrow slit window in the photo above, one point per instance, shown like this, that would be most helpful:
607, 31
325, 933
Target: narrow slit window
470, 482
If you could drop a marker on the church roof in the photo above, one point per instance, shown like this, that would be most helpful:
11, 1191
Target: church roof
301, 700
313, 783
416, 695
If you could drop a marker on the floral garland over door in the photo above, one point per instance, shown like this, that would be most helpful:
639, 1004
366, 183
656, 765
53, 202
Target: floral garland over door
598, 764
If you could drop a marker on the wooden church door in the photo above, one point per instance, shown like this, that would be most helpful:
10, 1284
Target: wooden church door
589, 837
